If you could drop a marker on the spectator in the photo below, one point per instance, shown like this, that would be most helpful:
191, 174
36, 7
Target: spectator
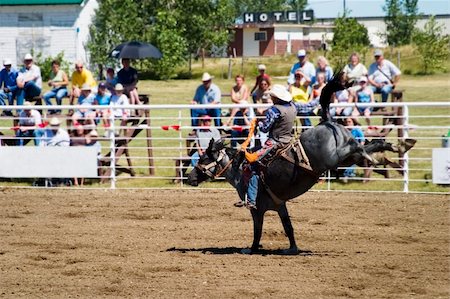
102, 98
364, 96
8, 80
324, 67
86, 115
318, 86
118, 99
204, 133
58, 82
305, 66
111, 80
383, 75
358, 134
55, 136
29, 120
29, 80
207, 93
354, 69
240, 118
80, 77
299, 88
128, 77
342, 96
239, 92
262, 75
261, 95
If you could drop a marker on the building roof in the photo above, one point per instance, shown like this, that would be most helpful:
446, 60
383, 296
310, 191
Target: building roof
38, 2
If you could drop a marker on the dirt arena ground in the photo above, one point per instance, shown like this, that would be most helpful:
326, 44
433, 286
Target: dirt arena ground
186, 244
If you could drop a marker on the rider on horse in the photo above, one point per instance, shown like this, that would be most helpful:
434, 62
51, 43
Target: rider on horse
278, 124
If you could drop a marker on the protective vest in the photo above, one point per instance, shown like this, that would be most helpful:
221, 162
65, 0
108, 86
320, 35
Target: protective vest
282, 129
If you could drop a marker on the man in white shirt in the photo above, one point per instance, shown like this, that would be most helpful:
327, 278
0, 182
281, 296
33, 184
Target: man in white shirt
29, 80
305, 66
55, 136
383, 75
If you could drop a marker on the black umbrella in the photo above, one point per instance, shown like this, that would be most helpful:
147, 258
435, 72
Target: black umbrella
135, 50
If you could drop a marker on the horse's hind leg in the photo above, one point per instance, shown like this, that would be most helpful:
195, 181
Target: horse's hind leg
289, 230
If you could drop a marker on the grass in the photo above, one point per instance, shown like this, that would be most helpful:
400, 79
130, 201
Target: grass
417, 89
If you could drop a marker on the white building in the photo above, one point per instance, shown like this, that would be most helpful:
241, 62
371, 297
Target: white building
45, 26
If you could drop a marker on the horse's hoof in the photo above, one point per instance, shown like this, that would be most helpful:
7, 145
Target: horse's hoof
246, 251
291, 251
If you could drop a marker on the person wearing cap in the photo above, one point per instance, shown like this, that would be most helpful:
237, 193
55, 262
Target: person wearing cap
305, 66
278, 124
102, 98
29, 121
29, 80
80, 77
262, 75
54, 135
354, 69
8, 85
383, 75
58, 82
363, 96
204, 133
206, 93
128, 77
86, 99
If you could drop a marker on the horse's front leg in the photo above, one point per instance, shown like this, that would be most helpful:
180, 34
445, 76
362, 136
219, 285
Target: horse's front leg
258, 220
289, 230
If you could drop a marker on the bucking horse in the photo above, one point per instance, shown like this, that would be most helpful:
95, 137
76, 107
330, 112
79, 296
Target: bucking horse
291, 172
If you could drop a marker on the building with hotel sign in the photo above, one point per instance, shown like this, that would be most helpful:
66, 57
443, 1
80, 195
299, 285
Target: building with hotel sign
280, 33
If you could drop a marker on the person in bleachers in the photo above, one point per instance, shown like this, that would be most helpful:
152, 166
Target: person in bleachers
204, 133
262, 75
206, 93
86, 115
111, 80
8, 85
54, 135
324, 67
363, 96
29, 121
80, 77
305, 66
29, 80
383, 75
354, 69
128, 77
58, 82
342, 96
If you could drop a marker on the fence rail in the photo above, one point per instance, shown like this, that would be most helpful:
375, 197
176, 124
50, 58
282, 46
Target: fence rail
150, 149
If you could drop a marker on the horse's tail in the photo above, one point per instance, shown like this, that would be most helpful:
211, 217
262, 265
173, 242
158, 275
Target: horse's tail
335, 84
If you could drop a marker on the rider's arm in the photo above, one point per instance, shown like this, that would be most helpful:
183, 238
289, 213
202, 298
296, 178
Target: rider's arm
272, 114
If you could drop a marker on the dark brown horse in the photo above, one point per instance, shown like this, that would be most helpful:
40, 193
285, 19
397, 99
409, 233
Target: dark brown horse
327, 146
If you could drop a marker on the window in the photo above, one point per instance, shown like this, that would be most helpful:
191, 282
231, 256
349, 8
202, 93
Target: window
261, 36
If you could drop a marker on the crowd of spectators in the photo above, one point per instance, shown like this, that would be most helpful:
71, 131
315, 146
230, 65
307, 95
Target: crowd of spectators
305, 83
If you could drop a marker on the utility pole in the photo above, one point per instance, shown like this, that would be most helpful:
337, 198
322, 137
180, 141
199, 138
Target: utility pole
345, 9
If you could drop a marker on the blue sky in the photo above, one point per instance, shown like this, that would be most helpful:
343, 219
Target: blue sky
369, 8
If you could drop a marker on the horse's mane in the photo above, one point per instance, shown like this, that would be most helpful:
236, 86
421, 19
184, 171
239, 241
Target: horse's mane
332, 86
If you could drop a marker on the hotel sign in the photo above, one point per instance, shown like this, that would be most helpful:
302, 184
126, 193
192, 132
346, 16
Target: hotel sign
279, 17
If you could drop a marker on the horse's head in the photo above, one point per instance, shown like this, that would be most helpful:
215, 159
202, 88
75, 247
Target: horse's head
335, 84
211, 164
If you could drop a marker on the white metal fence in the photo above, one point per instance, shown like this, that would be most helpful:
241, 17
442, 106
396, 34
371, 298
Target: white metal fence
151, 148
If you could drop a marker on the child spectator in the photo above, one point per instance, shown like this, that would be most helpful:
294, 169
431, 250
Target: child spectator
364, 96
111, 80
102, 98
342, 96
85, 114
358, 134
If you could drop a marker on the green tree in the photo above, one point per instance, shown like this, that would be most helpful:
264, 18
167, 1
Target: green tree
433, 46
401, 17
349, 36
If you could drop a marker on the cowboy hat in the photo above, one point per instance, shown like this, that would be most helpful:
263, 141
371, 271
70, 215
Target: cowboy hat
206, 77
85, 86
280, 92
118, 87
55, 121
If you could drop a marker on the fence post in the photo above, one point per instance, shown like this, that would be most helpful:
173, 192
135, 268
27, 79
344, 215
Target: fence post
180, 135
405, 155
112, 147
